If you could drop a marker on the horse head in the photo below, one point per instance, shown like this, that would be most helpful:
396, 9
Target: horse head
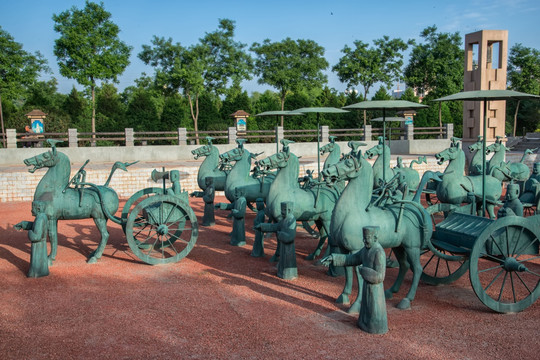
331, 146
447, 154
496, 146
343, 170
477, 145
235, 154
205, 150
376, 150
275, 161
48, 159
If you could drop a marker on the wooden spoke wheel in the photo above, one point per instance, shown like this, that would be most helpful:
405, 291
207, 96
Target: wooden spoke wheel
161, 229
443, 266
505, 265
135, 199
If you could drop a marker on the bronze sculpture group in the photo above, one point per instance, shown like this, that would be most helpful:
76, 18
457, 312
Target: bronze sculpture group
352, 196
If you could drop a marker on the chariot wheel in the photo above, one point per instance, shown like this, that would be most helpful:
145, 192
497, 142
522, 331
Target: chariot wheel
443, 266
505, 265
161, 229
136, 199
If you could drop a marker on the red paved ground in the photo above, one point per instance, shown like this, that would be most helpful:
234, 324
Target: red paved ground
221, 303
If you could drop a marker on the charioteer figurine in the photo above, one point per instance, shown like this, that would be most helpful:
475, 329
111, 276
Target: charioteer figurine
238, 213
37, 233
372, 318
286, 232
208, 196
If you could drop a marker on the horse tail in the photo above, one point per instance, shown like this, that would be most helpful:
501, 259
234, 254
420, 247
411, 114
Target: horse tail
106, 211
118, 165
421, 159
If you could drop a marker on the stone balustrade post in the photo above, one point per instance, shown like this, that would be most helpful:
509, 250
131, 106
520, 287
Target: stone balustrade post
73, 138
232, 135
409, 132
11, 138
325, 133
130, 137
367, 133
449, 130
182, 136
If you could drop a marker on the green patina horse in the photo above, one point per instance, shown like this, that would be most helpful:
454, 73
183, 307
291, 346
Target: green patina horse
333, 150
405, 226
502, 170
254, 186
407, 174
64, 202
455, 186
476, 166
311, 202
211, 166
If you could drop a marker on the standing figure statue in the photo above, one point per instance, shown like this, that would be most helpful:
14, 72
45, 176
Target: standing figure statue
208, 196
531, 188
512, 206
238, 213
258, 243
372, 317
37, 234
286, 232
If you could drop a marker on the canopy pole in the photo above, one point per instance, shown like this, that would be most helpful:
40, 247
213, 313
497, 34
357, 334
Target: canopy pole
318, 150
384, 144
484, 160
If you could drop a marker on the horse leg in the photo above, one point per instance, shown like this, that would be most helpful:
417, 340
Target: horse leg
355, 307
101, 224
53, 238
343, 298
491, 210
323, 235
403, 267
413, 257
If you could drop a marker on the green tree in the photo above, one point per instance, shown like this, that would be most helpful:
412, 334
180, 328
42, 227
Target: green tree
18, 70
142, 112
367, 66
290, 65
209, 66
89, 49
110, 110
436, 66
524, 76
435, 69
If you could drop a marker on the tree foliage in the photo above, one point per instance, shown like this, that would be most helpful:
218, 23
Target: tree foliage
524, 76
290, 65
89, 49
436, 66
367, 66
210, 65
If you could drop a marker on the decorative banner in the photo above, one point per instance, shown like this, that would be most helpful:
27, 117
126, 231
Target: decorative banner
241, 125
37, 126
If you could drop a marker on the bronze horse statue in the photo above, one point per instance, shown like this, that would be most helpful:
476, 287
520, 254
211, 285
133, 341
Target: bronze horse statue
455, 186
64, 202
311, 202
502, 170
211, 166
405, 226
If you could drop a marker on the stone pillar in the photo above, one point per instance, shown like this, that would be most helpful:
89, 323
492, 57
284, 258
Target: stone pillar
11, 138
73, 138
280, 133
449, 130
232, 135
325, 132
182, 136
130, 137
409, 132
367, 133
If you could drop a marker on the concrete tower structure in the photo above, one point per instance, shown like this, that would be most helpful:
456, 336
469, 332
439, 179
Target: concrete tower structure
486, 55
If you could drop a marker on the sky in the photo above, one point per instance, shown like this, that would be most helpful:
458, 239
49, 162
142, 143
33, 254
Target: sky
332, 24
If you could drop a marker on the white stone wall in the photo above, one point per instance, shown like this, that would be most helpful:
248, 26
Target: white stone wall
17, 184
